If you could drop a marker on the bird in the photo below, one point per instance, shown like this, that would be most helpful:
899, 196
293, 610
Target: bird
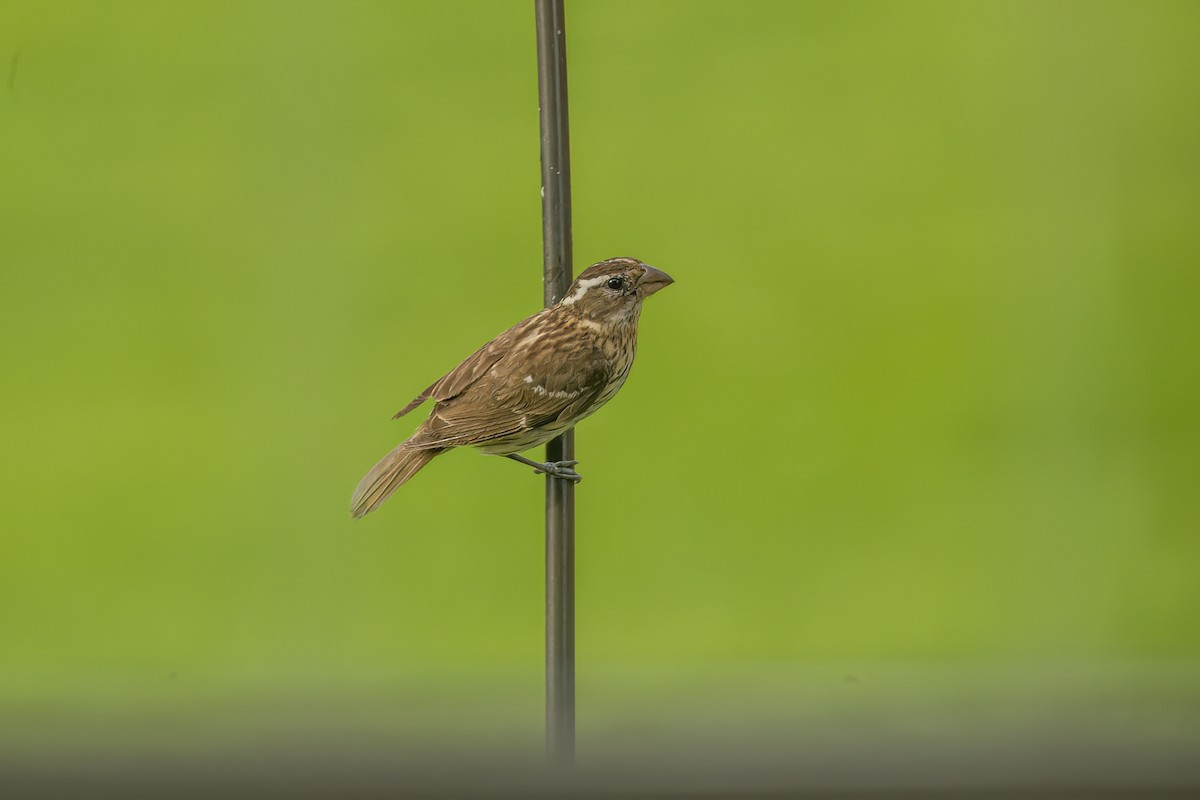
531, 383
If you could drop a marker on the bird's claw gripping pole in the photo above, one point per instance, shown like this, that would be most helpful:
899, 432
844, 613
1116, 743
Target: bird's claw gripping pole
555, 469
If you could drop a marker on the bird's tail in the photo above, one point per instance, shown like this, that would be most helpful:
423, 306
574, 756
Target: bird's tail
387, 476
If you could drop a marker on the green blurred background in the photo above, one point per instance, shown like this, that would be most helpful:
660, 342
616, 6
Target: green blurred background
920, 411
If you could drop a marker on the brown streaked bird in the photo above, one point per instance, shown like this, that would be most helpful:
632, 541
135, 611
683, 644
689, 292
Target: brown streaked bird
532, 382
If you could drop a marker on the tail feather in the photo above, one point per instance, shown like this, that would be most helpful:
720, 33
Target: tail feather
386, 477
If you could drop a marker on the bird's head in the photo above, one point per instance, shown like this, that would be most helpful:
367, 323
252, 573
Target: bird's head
613, 290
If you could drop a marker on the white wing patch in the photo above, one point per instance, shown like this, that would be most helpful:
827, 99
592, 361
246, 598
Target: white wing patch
557, 394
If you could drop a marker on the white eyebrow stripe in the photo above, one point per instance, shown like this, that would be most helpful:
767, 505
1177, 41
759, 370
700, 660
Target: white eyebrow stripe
590, 283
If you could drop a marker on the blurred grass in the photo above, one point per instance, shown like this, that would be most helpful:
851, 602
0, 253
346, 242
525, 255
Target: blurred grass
925, 389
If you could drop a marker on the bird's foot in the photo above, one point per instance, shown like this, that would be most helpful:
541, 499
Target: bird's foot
560, 469
555, 469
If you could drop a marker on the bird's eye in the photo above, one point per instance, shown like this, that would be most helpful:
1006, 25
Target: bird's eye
616, 284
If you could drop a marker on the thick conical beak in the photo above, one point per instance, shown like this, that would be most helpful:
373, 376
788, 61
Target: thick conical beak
653, 280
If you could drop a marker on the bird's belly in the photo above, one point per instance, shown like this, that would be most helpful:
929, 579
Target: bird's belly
609, 391
521, 441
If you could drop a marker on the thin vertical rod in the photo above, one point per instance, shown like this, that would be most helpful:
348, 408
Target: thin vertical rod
560, 494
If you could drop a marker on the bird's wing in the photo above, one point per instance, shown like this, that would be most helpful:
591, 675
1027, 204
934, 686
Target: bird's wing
518, 399
459, 379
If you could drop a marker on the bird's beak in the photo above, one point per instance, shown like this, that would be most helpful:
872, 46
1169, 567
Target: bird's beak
653, 280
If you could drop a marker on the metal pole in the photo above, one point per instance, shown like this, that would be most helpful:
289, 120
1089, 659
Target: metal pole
560, 494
